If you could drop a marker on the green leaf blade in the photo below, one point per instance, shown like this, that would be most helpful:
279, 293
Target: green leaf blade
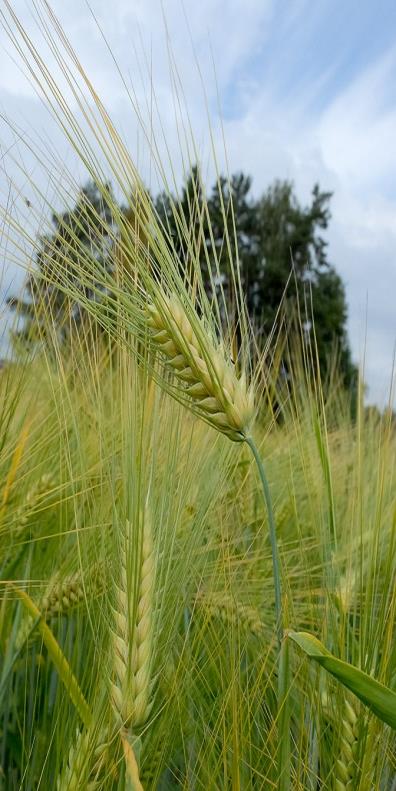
381, 700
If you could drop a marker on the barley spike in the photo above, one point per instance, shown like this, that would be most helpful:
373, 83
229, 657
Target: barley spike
85, 764
344, 773
216, 394
62, 595
132, 642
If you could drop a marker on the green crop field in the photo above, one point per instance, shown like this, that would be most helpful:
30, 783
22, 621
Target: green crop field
197, 534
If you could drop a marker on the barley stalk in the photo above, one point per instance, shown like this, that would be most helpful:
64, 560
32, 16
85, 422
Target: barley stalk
133, 633
216, 393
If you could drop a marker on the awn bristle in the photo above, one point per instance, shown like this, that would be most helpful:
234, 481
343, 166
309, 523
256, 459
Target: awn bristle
217, 395
133, 642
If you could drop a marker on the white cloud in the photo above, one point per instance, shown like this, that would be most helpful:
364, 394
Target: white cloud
350, 148
357, 129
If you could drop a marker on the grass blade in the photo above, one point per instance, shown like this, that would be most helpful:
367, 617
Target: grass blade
380, 699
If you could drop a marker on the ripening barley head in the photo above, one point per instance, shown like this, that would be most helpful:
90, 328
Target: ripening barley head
205, 377
133, 621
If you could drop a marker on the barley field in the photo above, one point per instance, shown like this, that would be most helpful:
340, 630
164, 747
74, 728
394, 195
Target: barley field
197, 550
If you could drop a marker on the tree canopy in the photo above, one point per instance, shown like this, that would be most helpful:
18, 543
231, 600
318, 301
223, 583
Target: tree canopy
282, 255
85, 230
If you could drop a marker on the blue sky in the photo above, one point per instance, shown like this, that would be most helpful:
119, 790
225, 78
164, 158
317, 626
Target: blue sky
307, 91
325, 44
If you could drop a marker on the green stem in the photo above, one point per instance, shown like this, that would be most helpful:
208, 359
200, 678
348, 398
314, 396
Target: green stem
283, 751
273, 541
284, 756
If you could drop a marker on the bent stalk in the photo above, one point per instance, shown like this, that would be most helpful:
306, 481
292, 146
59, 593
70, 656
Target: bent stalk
283, 758
273, 541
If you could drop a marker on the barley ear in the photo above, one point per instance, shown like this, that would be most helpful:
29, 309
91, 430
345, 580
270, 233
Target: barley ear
224, 607
205, 377
344, 771
133, 631
86, 763
63, 595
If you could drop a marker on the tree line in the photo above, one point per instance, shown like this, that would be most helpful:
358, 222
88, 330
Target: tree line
280, 244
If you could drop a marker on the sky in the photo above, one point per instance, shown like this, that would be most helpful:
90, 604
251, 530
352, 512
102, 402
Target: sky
306, 92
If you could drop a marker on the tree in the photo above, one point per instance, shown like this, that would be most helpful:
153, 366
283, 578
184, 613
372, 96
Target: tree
210, 222
281, 252
291, 243
85, 231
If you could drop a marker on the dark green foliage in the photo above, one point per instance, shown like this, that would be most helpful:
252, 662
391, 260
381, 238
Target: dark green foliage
282, 256
83, 232
290, 240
